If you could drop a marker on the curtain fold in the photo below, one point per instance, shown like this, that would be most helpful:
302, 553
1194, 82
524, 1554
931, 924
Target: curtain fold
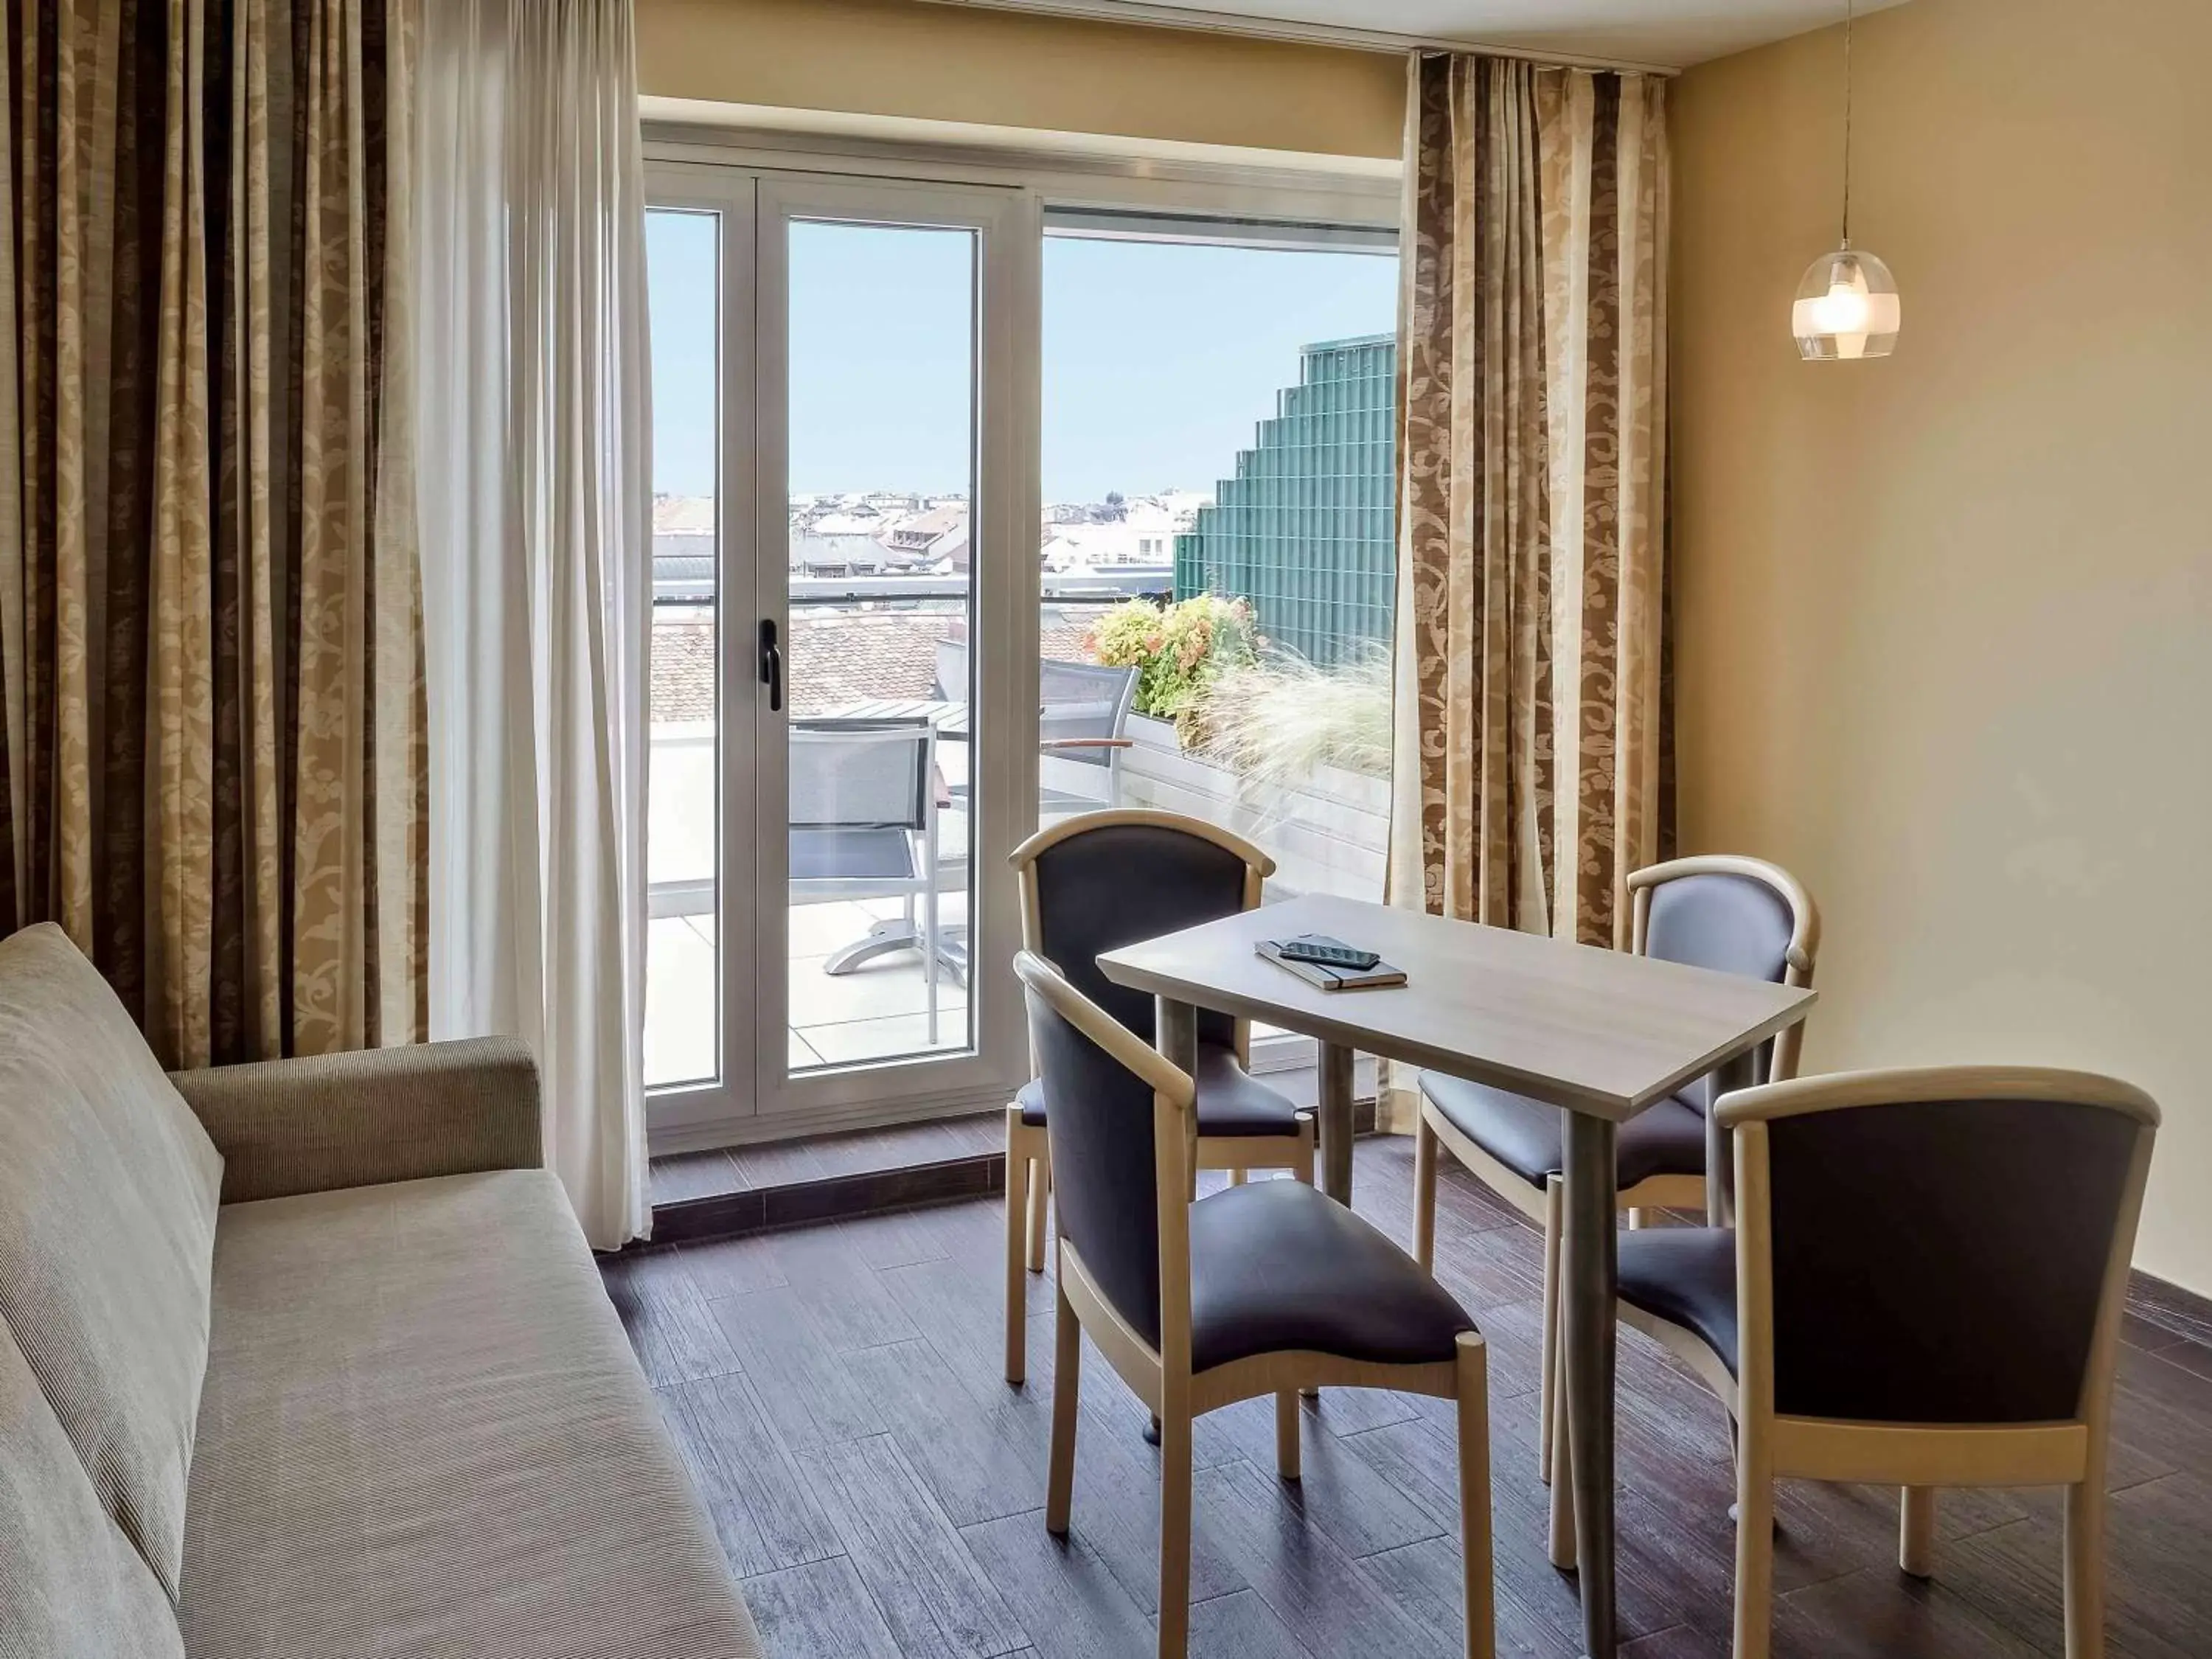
210, 649
535, 520
1531, 495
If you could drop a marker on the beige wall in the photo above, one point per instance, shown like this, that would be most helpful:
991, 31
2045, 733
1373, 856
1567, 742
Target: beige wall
954, 64
1945, 620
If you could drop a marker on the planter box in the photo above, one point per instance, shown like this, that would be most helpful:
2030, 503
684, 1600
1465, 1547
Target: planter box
1329, 835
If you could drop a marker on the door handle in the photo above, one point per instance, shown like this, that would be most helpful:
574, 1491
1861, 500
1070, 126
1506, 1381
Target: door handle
771, 666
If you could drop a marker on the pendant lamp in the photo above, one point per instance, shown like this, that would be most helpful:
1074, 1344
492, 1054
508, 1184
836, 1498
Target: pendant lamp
1848, 305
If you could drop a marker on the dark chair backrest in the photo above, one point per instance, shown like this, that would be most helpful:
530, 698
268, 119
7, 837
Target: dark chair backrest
1104, 1163
1729, 924
1942, 1261
1100, 888
859, 774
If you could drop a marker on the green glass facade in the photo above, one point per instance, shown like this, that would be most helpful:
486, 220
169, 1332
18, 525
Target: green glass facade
1304, 529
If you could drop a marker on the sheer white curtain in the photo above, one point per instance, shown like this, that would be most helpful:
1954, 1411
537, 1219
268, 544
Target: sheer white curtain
536, 533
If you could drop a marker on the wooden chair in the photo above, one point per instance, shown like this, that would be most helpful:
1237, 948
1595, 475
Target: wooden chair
1923, 1289
1265, 1288
1733, 914
1092, 883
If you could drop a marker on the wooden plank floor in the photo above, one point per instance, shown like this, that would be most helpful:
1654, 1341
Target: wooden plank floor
879, 1487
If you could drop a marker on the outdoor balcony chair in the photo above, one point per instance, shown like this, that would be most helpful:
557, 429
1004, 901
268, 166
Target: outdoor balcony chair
863, 811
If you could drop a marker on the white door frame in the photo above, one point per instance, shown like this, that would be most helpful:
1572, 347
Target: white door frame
755, 1098
684, 1113
1002, 531
708, 166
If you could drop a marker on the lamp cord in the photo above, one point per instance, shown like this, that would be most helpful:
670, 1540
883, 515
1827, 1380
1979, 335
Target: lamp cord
1848, 8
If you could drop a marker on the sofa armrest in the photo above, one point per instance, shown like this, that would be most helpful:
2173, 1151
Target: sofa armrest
355, 1120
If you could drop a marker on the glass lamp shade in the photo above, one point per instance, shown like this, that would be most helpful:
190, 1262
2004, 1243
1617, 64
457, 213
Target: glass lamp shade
1847, 308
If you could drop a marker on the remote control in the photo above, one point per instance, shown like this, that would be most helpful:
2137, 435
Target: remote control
1328, 953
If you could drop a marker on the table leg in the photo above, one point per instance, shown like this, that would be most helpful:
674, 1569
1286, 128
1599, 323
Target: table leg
1589, 1274
1334, 1121
1720, 1146
1175, 1033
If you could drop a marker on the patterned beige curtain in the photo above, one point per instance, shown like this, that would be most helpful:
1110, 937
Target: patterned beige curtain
210, 652
1531, 517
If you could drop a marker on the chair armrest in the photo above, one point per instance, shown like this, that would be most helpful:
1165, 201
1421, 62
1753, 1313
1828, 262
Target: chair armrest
357, 1120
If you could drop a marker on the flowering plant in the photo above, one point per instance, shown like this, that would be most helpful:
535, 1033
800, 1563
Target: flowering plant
1179, 652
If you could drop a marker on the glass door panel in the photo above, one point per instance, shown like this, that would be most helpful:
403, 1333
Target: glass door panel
881, 421
887, 573
682, 985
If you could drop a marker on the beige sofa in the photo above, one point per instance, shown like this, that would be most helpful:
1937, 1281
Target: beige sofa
308, 1360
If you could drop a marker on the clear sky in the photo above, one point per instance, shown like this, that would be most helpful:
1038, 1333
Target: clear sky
1159, 358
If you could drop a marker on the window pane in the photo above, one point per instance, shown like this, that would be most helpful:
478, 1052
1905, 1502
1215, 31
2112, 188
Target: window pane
1217, 469
882, 375
683, 989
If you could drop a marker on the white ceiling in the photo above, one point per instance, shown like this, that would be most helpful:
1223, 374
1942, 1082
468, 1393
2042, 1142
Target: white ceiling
1673, 34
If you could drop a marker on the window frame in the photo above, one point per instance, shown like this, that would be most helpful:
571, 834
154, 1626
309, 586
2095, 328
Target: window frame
1078, 184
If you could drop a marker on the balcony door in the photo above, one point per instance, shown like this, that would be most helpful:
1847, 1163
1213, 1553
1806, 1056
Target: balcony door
844, 664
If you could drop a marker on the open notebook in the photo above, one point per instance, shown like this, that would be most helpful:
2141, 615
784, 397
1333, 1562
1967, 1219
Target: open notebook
1330, 979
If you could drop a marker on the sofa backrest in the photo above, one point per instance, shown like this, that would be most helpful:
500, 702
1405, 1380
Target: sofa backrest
108, 1190
71, 1585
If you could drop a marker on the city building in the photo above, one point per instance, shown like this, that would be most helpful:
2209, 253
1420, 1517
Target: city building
683, 549
934, 539
1303, 529
1122, 538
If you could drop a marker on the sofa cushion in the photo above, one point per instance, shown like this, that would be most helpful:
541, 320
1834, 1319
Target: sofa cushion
424, 1432
108, 1189
71, 1586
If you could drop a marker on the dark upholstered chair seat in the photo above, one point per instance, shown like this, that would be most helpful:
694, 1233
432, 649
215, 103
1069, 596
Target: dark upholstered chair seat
1278, 1264
1231, 1101
1686, 1275
1528, 1137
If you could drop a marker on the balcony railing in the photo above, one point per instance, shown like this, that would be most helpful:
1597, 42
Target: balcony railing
1326, 826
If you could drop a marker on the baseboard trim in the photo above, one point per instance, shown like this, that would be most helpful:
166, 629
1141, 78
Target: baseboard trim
838, 1198
732, 1215
716, 1133
2170, 1308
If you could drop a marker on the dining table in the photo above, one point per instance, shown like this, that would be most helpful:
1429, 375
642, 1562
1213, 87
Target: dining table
1600, 1034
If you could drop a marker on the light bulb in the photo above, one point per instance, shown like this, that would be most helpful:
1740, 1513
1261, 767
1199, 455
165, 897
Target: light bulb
1847, 308
1841, 310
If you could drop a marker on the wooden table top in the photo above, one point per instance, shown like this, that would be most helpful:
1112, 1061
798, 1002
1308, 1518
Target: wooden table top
1595, 1030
